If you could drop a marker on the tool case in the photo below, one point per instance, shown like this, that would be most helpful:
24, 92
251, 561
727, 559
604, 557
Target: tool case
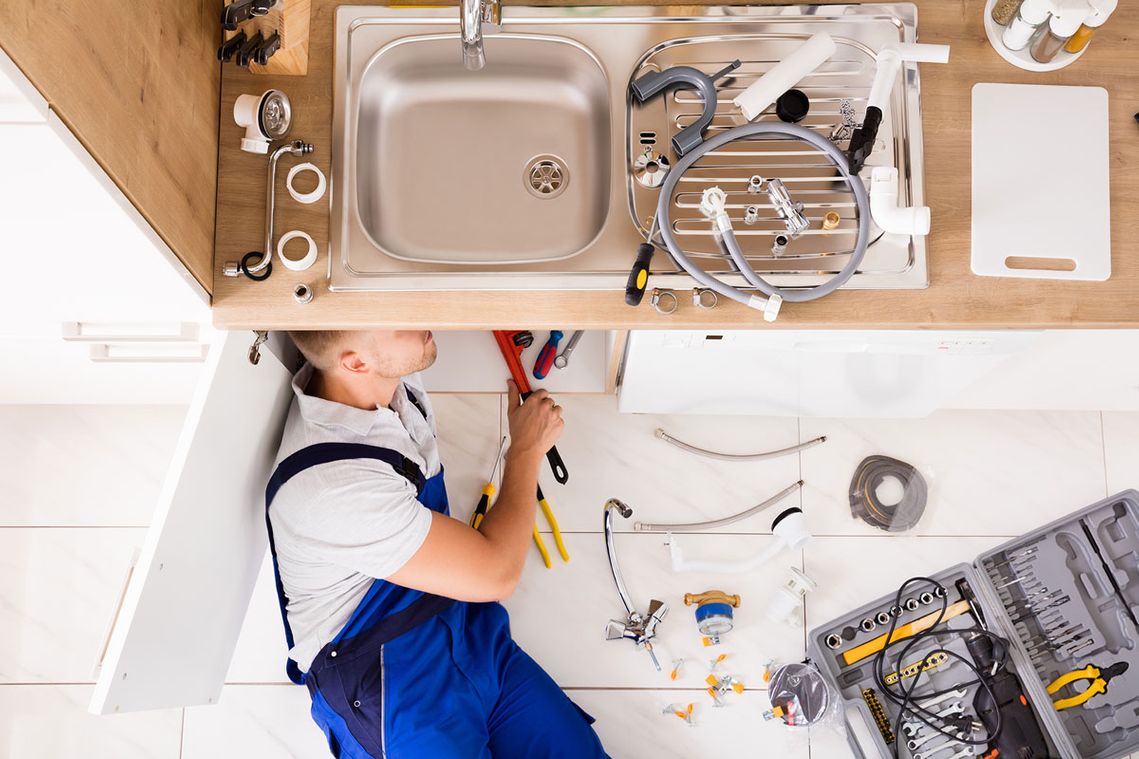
1047, 593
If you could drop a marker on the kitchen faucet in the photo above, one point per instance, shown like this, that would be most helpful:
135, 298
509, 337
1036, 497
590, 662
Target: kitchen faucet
472, 14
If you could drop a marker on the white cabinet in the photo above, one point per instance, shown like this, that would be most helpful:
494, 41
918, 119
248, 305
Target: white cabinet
84, 265
808, 373
886, 373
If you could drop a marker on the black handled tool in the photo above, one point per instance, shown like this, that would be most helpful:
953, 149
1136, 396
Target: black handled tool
1107, 570
639, 275
242, 10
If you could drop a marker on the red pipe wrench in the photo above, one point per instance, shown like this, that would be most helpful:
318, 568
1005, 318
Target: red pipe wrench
511, 343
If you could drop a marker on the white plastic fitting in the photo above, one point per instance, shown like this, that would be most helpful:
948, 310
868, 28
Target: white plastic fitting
790, 531
889, 217
786, 605
245, 110
785, 75
890, 59
769, 306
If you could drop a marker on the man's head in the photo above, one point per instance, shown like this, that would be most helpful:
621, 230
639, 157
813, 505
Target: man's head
385, 353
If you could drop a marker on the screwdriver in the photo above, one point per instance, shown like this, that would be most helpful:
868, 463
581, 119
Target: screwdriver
488, 490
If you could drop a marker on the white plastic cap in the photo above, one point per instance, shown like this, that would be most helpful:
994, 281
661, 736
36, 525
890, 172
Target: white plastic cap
1100, 11
1067, 22
1036, 11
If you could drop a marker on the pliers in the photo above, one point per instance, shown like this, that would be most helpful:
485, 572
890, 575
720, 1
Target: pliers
1097, 678
545, 506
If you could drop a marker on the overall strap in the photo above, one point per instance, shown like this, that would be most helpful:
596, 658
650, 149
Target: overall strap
314, 455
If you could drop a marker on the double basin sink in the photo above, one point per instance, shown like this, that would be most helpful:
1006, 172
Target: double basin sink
538, 171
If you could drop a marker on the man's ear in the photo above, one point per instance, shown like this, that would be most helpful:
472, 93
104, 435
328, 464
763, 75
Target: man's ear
351, 361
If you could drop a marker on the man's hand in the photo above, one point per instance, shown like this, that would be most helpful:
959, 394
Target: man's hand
535, 425
485, 564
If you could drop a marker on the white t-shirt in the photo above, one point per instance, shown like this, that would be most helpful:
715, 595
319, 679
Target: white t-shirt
339, 526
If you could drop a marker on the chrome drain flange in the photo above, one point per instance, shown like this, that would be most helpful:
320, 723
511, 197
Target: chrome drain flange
546, 176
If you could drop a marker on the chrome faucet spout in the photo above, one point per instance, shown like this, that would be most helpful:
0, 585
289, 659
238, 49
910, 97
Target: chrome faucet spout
472, 15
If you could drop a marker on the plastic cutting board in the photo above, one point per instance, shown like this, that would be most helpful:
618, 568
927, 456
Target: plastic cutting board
1041, 191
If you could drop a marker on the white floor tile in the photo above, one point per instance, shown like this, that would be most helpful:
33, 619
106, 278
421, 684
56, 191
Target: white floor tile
263, 721
84, 465
852, 571
558, 615
52, 722
468, 441
1121, 448
989, 473
261, 650
611, 455
58, 591
631, 726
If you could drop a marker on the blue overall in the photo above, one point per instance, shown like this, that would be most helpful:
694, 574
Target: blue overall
415, 675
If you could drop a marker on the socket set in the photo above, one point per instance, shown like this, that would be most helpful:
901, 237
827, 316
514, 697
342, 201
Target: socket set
1063, 597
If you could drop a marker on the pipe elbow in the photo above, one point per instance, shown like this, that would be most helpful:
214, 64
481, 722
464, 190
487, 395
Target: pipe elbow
889, 217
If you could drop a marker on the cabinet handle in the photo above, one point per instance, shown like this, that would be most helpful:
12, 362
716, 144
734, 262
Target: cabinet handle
151, 332
151, 353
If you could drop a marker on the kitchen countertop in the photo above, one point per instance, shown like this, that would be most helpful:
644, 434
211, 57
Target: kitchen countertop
955, 299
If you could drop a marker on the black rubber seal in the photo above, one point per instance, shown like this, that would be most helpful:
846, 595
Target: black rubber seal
792, 106
784, 514
261, 276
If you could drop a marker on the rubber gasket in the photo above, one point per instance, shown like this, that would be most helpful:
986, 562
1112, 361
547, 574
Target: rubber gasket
864, 501
243, 267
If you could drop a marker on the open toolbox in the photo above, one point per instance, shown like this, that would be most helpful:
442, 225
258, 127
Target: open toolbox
1062, 596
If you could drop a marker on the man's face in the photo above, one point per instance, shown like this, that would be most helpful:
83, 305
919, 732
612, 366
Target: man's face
397, 353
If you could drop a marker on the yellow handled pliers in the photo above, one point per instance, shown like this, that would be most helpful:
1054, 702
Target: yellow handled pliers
545, 506
1097, 683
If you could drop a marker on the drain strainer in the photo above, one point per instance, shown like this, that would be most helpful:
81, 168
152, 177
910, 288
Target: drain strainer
546, 176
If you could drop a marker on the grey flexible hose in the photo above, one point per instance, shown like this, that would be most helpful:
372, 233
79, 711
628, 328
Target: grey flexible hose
795, 295
738, 456
714, 523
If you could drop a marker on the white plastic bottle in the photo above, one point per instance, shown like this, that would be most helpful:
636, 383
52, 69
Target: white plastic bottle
1029, 19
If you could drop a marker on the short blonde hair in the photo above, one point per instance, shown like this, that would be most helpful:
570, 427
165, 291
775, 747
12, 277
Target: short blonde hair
319, 346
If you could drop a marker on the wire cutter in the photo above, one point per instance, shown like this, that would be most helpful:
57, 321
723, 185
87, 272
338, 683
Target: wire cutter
1096, 677
545, 506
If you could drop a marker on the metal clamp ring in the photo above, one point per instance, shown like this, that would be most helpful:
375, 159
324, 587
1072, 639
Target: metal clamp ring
705, 298
670, 301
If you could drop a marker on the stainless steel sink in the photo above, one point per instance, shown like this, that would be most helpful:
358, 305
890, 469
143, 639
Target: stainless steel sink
509, 164
521, 175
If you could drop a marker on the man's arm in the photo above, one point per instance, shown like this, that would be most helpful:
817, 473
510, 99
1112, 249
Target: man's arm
459, 562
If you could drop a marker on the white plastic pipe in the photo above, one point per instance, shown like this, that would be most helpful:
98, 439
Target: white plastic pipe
785, 75
790, 532
890, 59
889, 217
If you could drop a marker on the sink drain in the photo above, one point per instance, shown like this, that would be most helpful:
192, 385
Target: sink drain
546, 176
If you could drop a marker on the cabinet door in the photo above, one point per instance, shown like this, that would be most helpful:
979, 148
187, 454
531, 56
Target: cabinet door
182, 611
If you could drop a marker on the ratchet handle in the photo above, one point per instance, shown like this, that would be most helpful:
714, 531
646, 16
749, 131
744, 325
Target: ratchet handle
639, 275
557, 466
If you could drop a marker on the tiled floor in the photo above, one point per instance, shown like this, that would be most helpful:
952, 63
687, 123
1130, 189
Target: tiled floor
65, 544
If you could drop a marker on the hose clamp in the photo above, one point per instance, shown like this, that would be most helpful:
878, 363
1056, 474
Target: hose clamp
664, 301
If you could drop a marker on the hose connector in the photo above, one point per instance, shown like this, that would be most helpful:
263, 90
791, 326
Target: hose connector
714, 206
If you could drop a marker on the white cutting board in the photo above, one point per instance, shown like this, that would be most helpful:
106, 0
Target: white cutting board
1041, 192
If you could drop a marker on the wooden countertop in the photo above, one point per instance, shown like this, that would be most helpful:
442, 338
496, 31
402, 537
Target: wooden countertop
955, 298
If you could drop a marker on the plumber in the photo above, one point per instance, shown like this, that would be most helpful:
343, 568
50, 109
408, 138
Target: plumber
391, 606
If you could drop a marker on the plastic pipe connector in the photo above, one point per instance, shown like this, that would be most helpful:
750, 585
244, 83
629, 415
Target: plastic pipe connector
890, 59
889, 217
785, 75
